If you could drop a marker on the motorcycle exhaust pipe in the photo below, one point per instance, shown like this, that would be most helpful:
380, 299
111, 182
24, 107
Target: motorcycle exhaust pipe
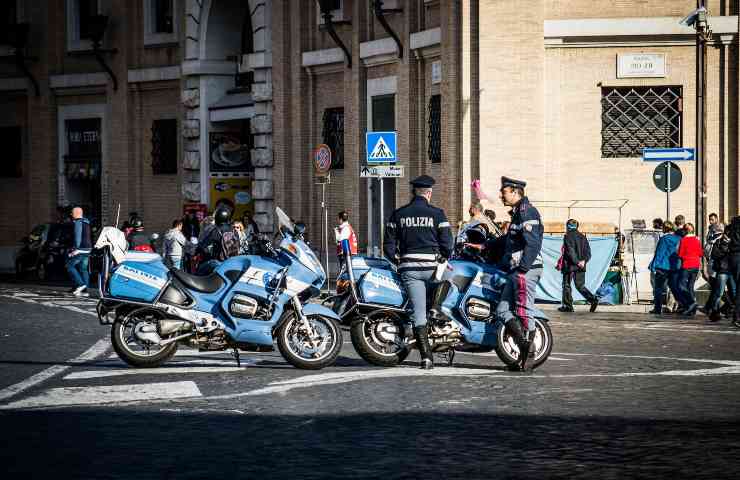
167, 327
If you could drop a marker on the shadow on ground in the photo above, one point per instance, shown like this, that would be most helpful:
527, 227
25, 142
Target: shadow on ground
102, 443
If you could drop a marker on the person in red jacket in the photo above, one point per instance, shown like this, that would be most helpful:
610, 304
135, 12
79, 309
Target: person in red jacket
690, 253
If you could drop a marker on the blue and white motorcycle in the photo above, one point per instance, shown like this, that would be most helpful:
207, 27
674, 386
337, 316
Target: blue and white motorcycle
372, 300
245, 304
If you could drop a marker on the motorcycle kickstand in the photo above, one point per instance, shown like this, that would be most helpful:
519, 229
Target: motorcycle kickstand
450, 356
235, 353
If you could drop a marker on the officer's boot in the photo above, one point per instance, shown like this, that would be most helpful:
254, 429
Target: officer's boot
514, 327
528, 352
425, 351
435, 313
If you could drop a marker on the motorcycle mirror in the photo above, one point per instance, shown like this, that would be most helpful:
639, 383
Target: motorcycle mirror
300, 228
154, 237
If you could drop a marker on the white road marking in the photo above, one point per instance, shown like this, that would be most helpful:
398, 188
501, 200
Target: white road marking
97, 350
152, 371
70, 396
668, 328
727, 367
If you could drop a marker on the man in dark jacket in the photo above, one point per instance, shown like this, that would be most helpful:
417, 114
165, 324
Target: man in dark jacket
733, 234
417, 237
220, 243
576, 254
79, 256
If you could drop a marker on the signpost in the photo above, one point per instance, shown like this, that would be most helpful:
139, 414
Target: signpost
381, 150
667, 176
322, 167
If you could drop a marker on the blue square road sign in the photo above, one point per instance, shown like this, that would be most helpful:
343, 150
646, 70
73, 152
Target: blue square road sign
380, 147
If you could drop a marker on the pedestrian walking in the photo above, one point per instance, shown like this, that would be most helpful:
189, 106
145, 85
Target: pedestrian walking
417, 237
251, 229
680, 223
243, 241
665, 267
576, 254
733, 234
690, 253
175, 245
723, 279
344, 231
79, 256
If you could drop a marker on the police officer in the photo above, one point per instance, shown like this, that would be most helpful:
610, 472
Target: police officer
522, 244
417, 238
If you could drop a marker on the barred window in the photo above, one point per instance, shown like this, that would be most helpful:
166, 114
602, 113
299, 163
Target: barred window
88, 10
435, 129
633, 118
334, 135
164, 147
12, 159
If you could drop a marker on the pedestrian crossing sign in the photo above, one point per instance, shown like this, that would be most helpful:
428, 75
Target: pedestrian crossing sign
381, 147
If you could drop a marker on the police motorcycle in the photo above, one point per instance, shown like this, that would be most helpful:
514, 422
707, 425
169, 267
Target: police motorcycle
371, 299
245, 304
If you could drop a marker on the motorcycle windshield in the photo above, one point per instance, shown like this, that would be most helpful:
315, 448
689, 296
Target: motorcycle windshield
284, 220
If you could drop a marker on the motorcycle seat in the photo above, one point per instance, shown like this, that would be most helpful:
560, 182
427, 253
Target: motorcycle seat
201, 283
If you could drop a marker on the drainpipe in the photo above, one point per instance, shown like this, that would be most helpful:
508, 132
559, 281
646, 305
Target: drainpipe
325, 8
380, 15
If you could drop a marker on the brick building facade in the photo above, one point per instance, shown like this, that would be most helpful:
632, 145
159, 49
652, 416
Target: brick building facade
475, 89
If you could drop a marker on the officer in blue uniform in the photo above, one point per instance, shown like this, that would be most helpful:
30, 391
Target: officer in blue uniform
417, 238
523, 261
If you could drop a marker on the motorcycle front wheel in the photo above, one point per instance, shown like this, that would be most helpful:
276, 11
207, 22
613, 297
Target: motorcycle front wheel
312, 345
379, 339
508, 351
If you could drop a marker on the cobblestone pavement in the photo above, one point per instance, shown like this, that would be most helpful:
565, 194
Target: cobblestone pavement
623, 395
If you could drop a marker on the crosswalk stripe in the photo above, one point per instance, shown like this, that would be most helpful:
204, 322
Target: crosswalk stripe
69, 396
178, 370
100, 347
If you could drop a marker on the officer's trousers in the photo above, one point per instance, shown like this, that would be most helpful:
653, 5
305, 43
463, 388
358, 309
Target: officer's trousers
517, 299
417, 284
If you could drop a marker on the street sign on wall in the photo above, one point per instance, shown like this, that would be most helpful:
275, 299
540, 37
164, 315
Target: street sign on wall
381, 171
668, 154
641, 65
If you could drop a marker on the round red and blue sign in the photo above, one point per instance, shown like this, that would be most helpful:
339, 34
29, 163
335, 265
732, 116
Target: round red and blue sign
322, 159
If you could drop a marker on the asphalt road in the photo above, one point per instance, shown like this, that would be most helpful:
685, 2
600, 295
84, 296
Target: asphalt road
622, 396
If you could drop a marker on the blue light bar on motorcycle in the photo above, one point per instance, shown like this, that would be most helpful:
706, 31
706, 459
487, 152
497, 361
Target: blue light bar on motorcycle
345, 247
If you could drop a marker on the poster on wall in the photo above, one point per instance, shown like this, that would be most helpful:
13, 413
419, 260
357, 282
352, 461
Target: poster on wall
234, 193
229, 152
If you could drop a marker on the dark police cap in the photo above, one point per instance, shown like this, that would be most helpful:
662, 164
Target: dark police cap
510, 182
423, 181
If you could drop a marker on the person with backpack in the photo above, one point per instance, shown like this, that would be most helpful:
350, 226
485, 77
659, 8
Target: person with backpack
221, 242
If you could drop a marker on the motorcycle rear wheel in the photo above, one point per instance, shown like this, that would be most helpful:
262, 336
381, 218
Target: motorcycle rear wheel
508, 351
293, 341
124, 342
369, 339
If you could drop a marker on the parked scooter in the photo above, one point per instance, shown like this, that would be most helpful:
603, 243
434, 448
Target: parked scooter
373, 302
245, 304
